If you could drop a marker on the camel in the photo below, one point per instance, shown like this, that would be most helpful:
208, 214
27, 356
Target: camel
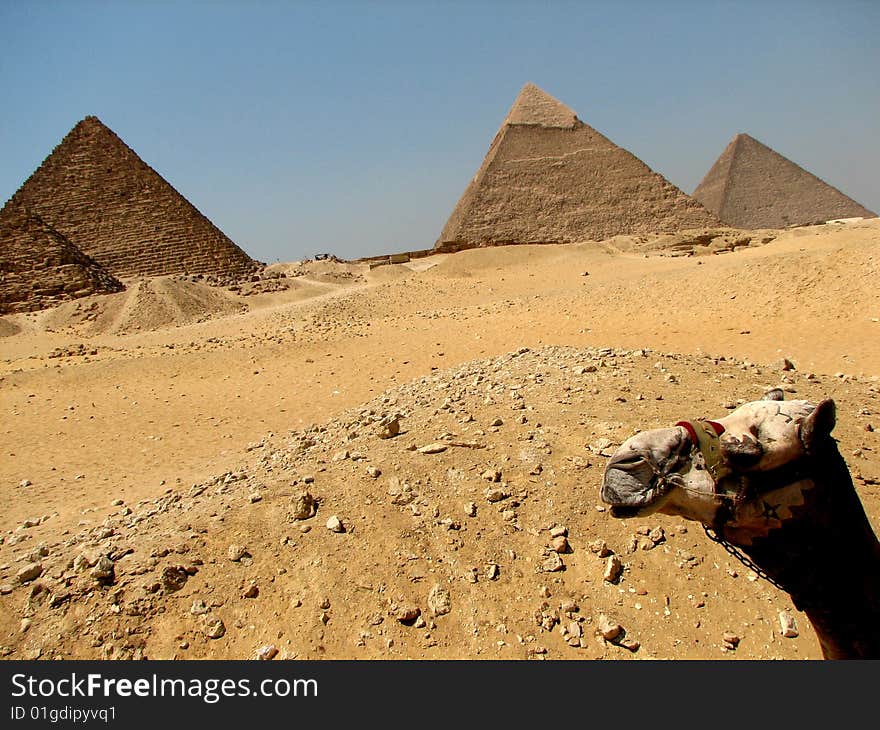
767, 481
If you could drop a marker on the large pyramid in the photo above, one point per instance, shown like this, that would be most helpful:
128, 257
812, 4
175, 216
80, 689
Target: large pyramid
550, 178
751, 186
96, 192
40, 268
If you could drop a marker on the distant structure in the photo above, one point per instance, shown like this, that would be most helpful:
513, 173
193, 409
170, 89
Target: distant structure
751, 186
550, 178
40, 268
96, 193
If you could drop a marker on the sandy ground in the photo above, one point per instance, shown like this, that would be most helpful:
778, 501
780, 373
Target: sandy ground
202, 413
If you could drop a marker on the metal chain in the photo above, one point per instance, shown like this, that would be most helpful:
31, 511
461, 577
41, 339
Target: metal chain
744, 559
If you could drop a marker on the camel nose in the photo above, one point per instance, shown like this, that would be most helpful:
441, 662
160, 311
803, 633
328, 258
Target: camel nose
621, 488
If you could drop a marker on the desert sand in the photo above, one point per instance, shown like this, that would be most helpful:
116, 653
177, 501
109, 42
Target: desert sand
156, 442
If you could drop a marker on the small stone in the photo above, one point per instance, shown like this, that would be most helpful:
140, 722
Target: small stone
199, 608
558, 531
496, 422
435, 448
29, 572
25, 625
613, 568
729, 640
252, 590
470, 509
496, 494
255, 497
552, 563
214, 627
236, 552
302, 506
787, 624
492, 571
407, 613
389, 427
439, 600
560, 544
374, 472
628, 643
491, 475
608, 628
104, 570
600, 547
334, 524
174, 578
265, 653
25, 483
117, 503
6, 589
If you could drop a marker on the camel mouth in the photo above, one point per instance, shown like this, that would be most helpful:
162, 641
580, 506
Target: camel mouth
624, 511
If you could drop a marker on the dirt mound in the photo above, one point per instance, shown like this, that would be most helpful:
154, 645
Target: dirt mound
498, 260
390, 272
426, 524
697, 242
8, 328
329, 271
147, 304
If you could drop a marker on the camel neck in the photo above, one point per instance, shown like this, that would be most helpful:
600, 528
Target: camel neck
828, 559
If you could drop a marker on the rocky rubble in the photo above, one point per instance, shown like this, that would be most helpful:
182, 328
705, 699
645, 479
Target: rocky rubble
462, 521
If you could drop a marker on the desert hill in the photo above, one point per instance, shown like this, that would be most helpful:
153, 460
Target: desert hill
176, 454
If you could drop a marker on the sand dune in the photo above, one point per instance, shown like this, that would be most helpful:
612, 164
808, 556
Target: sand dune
205, 412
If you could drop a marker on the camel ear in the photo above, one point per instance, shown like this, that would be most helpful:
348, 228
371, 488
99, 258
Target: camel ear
819, 424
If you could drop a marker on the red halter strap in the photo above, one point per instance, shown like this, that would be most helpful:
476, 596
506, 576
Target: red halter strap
689, 427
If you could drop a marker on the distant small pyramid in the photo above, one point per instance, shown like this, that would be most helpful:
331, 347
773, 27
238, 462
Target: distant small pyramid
752, 186
40, 268
550, 178
96, 192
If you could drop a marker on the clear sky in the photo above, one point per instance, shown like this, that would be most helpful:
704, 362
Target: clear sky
353, 127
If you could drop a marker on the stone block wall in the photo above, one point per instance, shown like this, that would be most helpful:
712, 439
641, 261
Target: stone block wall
40, 268
94, 190
557, 185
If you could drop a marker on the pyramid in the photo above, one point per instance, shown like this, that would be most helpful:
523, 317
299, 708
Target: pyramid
40, 268
751, 186
97, 193
550, 178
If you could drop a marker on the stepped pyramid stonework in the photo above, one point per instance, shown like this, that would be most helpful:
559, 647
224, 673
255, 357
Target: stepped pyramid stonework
40, 268
751, 186
550, 178
97, 193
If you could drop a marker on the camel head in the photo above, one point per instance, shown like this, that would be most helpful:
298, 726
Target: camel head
739, 475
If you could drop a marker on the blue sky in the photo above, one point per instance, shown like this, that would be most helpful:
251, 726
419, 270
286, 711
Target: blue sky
353, 127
